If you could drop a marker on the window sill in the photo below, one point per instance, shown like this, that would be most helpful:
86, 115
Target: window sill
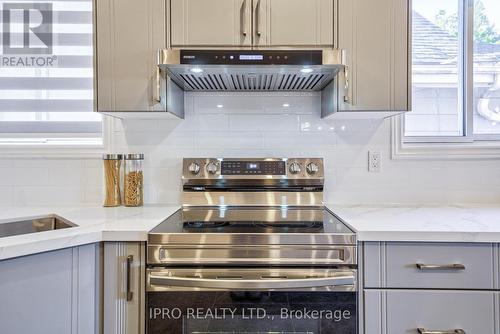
57, 149
439, 151
52, 151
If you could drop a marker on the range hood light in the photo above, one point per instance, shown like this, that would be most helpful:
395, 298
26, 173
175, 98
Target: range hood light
286, 105
306, 70
220, 106
196, 70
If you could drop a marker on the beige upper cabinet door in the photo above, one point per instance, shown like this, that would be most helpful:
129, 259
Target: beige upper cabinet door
127, 53
375, 37
210, 23
303, 23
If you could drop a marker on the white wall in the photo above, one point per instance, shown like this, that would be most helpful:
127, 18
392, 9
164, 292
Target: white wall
257, 125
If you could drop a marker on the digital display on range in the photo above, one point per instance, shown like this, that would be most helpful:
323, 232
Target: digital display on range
253, 168
251, 57
252, 165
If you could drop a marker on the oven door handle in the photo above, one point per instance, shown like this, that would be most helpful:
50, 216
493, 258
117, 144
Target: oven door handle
250, 284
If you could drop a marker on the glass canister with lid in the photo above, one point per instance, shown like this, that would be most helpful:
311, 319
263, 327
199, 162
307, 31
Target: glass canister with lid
133, 193
112, 172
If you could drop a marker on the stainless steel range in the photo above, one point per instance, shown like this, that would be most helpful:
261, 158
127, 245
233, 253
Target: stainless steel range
252, 250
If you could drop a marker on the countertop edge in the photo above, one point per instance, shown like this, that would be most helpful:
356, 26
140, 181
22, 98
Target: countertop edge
456, 224
94, 224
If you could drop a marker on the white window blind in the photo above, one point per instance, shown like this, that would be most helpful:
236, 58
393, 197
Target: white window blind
46, 69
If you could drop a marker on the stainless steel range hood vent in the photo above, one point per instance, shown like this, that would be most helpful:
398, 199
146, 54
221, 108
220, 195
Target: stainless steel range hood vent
261, 82
181, 71
251, 78
251, 70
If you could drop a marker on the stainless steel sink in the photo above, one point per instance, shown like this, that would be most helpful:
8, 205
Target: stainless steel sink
34, 225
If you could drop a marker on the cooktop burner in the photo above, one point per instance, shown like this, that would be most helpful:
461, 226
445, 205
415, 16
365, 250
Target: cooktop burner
251, 226
252, 221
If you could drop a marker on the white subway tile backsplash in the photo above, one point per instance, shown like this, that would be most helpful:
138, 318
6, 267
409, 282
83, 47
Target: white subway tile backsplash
92, 177
315, 124
29, 195
265, 123
211, 122
30, 176
246, 141
301, 142
259, 125
254, 103
6, 196
6, 163
93, 195
92, 163
61, 176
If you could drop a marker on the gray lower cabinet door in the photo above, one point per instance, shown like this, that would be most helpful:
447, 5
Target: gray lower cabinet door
404, 311
124, 288
413, 265
53, 292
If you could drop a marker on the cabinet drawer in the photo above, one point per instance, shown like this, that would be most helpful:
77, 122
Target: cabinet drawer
404, 311
429, 265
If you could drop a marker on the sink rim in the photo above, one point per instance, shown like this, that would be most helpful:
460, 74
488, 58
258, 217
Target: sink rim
28, 225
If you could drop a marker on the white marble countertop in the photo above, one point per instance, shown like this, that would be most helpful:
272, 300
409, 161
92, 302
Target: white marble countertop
467, 223
94, 224
389, 223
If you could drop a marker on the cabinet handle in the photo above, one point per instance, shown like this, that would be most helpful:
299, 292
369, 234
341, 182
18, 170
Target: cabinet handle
455, 266
244, 18
428, 331
346, 84
157, 93
257, 19
130, 294
157, 96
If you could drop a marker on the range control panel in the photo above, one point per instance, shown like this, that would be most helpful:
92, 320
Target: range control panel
232, 167
282, 168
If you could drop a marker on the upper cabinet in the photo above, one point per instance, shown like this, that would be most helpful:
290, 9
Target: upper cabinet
129, 34
251, 23
302, 23
375, 35
199, 23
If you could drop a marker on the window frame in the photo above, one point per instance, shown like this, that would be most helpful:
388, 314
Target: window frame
59, 144
469, 144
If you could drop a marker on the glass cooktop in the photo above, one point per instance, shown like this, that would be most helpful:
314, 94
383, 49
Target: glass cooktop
252, 220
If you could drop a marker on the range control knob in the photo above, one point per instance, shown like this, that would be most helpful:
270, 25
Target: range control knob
194, 168
294, 168
312, 168
212, 167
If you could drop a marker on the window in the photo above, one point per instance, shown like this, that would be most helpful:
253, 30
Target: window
456, 71
46, 73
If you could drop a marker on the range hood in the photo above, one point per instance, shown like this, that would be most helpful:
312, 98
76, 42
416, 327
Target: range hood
248, 71
251, 70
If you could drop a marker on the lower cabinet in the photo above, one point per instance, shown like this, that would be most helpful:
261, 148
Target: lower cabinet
52, 292
429, 288
431, 311
123, 287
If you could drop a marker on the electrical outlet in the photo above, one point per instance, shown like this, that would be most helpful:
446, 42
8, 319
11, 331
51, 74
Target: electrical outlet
374, 161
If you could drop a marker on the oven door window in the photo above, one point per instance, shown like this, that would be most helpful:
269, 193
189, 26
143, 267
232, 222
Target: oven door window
191, 309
